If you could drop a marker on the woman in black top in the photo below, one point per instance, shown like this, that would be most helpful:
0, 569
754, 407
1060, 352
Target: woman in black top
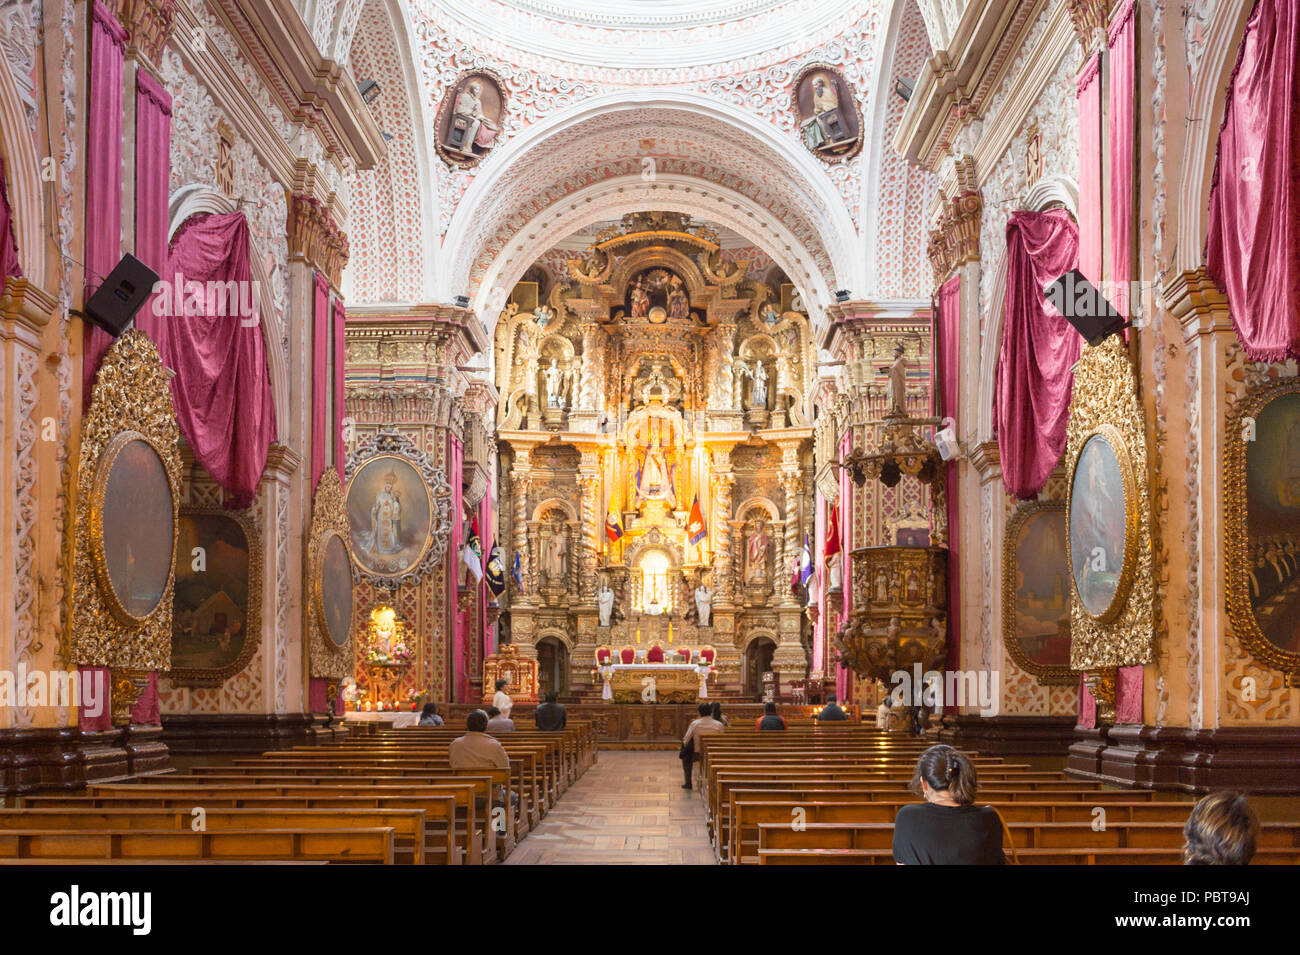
947, 829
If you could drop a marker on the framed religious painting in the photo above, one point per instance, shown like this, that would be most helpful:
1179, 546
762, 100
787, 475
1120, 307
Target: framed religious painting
1036, 592
398, 505
1102, 524
132, 527
217, 600
470, 119
1262, 489
333, 583
826, 113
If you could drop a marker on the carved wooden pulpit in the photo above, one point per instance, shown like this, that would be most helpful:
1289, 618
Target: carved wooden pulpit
519, 673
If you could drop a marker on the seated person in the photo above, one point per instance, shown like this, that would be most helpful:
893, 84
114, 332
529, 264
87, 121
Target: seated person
429, 715
550, 715
831, 712
770, 720
498, 722
1222, 830
476, 749
703, 726
947, 829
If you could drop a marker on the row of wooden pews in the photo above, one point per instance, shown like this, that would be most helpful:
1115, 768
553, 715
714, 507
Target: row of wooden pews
827, 795
381, 797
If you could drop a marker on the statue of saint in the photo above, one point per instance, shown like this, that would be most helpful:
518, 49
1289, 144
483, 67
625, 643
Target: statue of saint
756, 555
882, 587
386, 519
758, 394
655, 436
836, 572
605, 604
679, 304
468, 114
556, 549
896, 390
703, 605
554, 386
824, 104
640, 301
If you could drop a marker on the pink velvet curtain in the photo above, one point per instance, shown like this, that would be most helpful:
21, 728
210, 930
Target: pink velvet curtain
485, 595
948, 327
1252, 249
103, 173
222, 389
321, 343
96, 681
1034, 380
153, 137
1089, 103
847, 543
9, 264
1123, 66
458, 677
340, 410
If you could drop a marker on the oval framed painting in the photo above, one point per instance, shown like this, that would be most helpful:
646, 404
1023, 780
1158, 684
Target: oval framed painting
334, 589
390, 516
1263, 525
470, 118
133, 527
826, 113
1036, 592
1101, 524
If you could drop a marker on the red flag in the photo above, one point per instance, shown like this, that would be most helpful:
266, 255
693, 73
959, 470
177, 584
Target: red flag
833, 533
695, 526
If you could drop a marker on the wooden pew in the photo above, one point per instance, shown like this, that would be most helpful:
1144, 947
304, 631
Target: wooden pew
327, 845
1028, 857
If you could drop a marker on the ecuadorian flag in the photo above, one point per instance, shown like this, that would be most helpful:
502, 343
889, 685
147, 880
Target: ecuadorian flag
613, 520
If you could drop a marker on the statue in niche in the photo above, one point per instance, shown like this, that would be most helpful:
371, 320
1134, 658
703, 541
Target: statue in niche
657, 442
896, 389
543, 316
556, 550
756, 556
758, 394
835, 571
554, 386
882, 586
605, 603
679, 304
470, 119
825, 106
828, 117
639, 301
769, 314
703, 605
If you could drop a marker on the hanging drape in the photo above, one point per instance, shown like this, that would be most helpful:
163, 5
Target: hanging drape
948, 327
1031, 400
9, 264
1123, 64
340, 411
1252, 249
321, 343
1089, 105
210, 334
153, 137
459, 621
103, 173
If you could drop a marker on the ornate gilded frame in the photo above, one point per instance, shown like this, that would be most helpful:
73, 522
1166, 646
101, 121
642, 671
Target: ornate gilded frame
216, 676
456, 162
1236, 563
1105, 394
1048, 675
1117, 444
392, 444
329, 518
822, 67
131, 400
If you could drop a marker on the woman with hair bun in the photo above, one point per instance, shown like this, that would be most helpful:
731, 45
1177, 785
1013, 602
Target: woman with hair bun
947, 829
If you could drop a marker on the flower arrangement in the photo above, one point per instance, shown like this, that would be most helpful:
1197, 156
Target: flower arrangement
397, 653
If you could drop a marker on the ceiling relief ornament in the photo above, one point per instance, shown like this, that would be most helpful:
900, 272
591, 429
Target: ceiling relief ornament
126, 542
330, 593
1108, 523
398, 510
471, 119
826, 113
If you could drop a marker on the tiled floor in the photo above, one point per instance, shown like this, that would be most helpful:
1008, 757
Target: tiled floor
628, 809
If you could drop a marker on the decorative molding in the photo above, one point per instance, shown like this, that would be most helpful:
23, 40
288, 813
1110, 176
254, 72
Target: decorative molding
315, 237
955, 240
149, 24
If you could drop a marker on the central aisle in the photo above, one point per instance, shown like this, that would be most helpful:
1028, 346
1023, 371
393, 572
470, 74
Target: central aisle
628, 809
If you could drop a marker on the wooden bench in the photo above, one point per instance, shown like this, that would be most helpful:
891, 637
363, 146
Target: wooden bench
326, 845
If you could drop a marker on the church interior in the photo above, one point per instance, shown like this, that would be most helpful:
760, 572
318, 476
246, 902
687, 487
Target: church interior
901, 369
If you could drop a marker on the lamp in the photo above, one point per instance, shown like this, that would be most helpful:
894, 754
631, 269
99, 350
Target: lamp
461, 301
369, 90
903, 88
843, 295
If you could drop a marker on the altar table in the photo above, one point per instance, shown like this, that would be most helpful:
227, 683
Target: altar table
655, 682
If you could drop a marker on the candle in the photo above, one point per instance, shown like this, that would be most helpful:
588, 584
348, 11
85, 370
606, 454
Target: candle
670, 631
638, 634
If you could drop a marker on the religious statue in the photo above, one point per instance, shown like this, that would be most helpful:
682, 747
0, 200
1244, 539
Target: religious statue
882, 586
769, 314
385, 519
896, 390
543, 316
554, 386
758, 394
605, 604
816, 128
703, 605
640, 301
468, 118
556, 549
655, 437
679, 305
756, 556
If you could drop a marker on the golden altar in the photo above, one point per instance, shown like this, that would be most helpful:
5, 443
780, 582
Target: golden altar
653, 683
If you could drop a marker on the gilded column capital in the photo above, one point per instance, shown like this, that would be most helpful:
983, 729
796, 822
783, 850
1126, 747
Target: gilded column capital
956, 239
315, 237
148, 24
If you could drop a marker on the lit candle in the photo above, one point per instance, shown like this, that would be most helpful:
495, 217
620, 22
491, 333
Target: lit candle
638, 634
670, 631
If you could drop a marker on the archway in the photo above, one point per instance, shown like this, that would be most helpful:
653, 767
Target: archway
552, 666
758, 660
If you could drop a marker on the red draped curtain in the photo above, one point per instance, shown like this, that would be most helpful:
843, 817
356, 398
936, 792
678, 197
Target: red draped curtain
1253, 246
948, 328
321, 343
9, 264
1089, 104
1033, 380
340, 324
1123, 65
214, 343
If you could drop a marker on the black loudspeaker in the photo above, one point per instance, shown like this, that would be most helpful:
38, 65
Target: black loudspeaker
1084, 307
117, 300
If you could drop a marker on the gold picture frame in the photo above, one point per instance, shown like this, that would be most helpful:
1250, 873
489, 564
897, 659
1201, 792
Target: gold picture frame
200, 676
1045, 673
1243, 420
329, 521
409, 475
1112, 438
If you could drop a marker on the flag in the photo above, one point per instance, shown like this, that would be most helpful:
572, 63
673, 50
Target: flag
695, 526
805, 563
496, 574
472, 555
833, 535
613, 520
517, 572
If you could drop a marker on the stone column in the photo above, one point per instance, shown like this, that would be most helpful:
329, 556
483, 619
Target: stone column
723, 481
588, 541
791, 483
520, 481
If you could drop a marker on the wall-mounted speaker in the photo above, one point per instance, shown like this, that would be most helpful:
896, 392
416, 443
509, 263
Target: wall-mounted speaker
116, 301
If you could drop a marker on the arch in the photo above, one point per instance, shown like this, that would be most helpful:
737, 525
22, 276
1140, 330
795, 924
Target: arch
195, 199
761, 503
558, 634
23, 177
1205, 104
558, 503
1045, 192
